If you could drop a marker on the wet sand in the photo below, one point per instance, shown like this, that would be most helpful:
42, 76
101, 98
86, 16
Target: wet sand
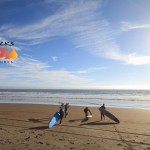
26, 127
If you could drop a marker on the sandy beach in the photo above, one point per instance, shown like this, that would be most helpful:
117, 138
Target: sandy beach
25, 126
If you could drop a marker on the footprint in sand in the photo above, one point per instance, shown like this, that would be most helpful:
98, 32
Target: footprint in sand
32, 132
36, 137
27, 138
40, 142
119, 144
60, 139
40, 134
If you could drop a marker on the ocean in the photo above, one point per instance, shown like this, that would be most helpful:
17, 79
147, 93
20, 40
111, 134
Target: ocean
111, 98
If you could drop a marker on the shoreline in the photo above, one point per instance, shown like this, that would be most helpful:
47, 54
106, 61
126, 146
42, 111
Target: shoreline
25, 126
96, 106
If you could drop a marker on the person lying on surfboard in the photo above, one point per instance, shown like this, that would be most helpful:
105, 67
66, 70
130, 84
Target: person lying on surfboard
86, 110
102, 115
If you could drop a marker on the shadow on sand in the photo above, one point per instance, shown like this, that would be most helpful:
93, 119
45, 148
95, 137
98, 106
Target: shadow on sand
38, 120
35, 120
99, 123
82, 120
74, 120
39, 128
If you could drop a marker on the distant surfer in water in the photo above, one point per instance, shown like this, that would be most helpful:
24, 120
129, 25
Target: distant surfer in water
61, 111
86, 110
66, 109
102, 115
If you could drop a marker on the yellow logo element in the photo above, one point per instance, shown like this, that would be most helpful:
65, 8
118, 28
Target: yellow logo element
10, 55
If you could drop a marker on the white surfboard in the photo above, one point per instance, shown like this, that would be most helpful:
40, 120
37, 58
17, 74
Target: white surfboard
89, 116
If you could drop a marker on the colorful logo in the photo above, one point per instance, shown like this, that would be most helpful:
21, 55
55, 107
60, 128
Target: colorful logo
7, 54
10, 55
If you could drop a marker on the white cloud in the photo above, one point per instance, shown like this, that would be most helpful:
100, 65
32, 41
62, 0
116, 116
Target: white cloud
123, 87
81, 22
126, 26
2, 39
135, 59
81, 71
70, 19
90, 70
54, 58
40, 74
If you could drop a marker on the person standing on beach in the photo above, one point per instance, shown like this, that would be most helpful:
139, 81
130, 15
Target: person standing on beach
61, 111
62, 105
102, 115
86, 110
66, 109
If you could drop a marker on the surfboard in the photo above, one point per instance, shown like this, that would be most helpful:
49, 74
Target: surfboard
54, 120
109, 115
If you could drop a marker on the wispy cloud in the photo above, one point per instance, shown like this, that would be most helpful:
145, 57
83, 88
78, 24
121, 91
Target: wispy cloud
136, 59
54, 58
39, 74
81, 22
126, 26
63, 22
90, 70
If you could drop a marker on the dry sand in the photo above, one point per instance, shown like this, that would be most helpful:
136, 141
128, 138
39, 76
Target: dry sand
26, 127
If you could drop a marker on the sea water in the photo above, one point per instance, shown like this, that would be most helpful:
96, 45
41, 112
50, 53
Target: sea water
111, 98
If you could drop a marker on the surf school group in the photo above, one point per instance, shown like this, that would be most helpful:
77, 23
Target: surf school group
63, 112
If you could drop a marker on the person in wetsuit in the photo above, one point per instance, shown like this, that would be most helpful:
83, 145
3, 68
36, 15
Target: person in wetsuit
86, 110
61, 111
66, 109
102, 115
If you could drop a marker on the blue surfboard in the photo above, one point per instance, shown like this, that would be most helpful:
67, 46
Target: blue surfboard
54, 120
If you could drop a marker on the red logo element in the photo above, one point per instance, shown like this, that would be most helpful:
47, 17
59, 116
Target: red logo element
10, 55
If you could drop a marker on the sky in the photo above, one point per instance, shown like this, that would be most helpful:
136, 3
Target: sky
76, 44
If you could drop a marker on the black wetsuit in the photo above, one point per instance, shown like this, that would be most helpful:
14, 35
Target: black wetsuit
102, 115
61, 114
66, 109
86, 111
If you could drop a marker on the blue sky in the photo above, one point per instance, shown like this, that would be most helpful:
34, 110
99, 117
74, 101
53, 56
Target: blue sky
90, 44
